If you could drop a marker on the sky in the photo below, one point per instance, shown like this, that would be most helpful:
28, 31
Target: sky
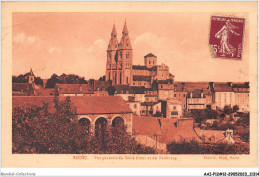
76, 43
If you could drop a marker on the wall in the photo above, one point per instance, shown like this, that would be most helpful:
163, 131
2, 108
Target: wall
151, 98
109, 117
146, 84
162, 72
138, 97
224, 98
141, 72
181, 96
242, 100
196, 103
173, 108
135, 107
165, 94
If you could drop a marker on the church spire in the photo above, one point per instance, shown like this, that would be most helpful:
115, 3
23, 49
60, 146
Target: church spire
31, 77
125, 30
125, 41
113, 42
31, 72
113, 33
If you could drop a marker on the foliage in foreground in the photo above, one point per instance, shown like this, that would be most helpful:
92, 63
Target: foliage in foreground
36, 130
194, 147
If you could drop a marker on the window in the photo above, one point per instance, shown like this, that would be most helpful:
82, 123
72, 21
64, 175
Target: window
161, 86
144, 83
133, 83
179, 95
174, 95
174, 107
109, 56
135, 106
121, 55
174, 113
153, 62
149, 62
183, 95
127, 55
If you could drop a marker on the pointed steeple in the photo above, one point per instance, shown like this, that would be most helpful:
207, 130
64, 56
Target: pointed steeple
31, 72
113, 42
125, 30
125, 41
113, 33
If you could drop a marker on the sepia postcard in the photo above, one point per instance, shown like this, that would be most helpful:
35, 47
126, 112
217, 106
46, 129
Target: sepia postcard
129, 84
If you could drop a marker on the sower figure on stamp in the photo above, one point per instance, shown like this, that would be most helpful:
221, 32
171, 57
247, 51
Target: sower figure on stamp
223, 34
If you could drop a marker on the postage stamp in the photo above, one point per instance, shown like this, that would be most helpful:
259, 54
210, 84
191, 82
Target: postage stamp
226, 37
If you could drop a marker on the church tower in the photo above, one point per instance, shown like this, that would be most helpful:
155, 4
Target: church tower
119, 58
125, 57
111, 67
31, 77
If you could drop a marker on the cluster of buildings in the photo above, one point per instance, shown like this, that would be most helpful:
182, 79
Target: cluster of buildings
148, 90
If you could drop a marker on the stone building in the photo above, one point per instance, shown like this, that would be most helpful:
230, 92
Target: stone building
241, 92
223, 95
171, 108
93, 112
180, 93
121, 71
119, 58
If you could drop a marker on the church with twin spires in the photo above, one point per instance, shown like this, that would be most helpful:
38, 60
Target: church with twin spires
120, 69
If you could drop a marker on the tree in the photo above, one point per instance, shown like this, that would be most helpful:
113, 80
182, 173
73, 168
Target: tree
235, 108
65, 79
199, 115
52, 81
39, 129
102, 78
38, 81
82, 81
228, 110
111, 90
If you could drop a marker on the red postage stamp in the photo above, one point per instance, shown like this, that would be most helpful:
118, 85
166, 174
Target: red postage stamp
226, 37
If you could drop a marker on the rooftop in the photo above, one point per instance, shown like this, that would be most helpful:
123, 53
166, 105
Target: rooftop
84, 105
23, 88
142, 78
150, 55
222, 87
142, 67
74, 88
